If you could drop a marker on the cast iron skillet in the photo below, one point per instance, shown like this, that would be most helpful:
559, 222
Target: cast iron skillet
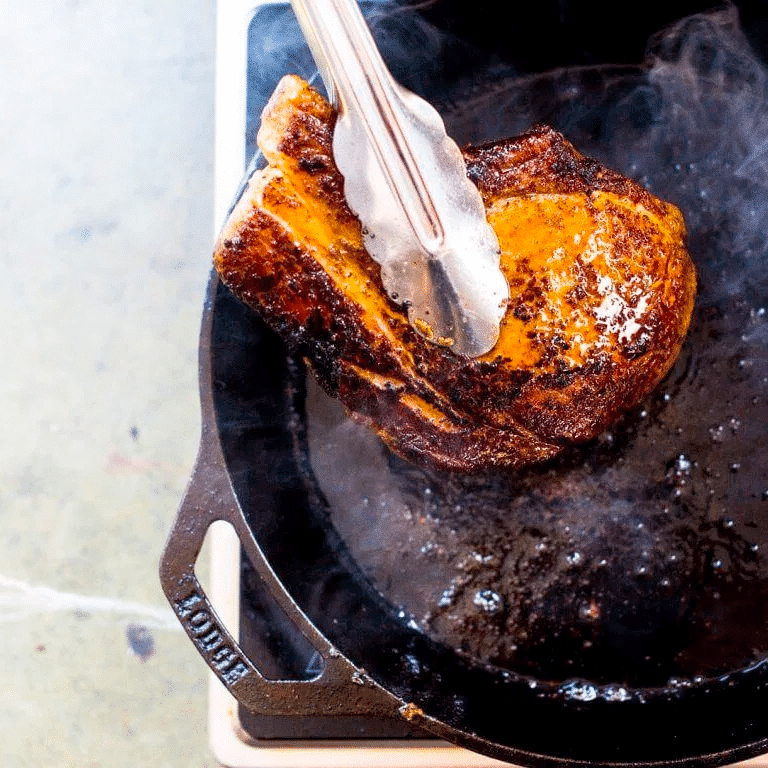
253, 471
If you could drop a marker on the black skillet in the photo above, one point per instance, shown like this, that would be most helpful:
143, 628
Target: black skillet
670, 666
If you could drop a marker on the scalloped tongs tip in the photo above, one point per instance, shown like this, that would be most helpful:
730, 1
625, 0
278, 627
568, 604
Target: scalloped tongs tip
423, 220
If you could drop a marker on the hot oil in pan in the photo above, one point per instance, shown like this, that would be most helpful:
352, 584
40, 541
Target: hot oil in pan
640, 558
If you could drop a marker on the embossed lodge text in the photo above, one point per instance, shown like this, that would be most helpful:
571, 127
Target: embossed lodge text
210, 638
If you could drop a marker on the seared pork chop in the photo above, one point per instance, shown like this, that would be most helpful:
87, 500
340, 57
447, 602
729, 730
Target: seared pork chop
602, 293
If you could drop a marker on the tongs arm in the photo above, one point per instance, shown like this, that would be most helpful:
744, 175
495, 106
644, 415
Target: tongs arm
423, 220
358, 81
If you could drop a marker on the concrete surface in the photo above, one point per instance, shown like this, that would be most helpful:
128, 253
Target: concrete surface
106, 149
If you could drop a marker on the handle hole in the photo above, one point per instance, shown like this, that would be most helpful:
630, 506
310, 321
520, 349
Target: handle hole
217, 570
269, 638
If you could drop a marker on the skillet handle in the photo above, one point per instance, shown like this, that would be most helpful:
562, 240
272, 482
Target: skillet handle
339, 689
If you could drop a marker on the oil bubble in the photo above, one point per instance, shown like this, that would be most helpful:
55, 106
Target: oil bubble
574, 558
488, 601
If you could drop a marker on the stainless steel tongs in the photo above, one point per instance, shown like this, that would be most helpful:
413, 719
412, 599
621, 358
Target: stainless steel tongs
424, 221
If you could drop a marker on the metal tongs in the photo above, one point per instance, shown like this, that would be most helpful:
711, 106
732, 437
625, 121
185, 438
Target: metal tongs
423, 220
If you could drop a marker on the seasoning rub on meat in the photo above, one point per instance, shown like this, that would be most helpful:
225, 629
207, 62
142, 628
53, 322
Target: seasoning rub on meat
602, 293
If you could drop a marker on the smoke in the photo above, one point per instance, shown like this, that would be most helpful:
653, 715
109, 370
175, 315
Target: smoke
690, 124
711, 131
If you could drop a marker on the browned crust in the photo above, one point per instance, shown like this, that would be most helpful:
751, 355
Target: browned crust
426, 403
542, 161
